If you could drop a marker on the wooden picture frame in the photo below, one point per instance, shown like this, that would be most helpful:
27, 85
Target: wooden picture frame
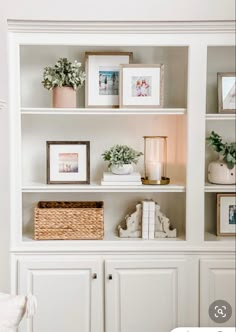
226, 92
68, 162
102, 78
142, 86
226, 214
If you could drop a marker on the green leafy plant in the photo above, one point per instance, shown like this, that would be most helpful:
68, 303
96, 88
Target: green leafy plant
120, 155
64, 73
226, 150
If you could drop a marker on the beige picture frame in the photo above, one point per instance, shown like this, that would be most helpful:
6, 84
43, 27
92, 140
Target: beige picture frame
226, 214
108, 61
134, 79
226, 83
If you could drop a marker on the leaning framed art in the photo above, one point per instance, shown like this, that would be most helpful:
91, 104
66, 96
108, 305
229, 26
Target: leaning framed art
102, 78
68, 162
226, 214
226, 92
141, 86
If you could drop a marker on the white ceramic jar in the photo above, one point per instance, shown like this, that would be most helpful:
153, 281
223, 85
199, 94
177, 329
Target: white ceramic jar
219, 173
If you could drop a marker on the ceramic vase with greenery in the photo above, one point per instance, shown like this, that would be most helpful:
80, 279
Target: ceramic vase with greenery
223, 170
64, 78
121, 159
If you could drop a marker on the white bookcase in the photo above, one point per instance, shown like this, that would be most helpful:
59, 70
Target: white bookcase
192, 53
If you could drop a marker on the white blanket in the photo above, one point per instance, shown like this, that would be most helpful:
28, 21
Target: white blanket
12, 310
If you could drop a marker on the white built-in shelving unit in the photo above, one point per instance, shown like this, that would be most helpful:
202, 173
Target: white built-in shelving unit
182, 119
192, 54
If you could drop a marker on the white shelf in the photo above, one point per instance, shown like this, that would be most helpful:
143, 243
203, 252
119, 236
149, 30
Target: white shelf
214, 188
209, 237
221, 116
112, 243
103, 111
95, 187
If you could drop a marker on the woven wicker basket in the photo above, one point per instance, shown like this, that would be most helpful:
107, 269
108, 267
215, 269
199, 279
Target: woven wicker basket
68, 221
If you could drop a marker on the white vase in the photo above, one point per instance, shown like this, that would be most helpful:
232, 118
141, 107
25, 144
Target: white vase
122, 170
219, 173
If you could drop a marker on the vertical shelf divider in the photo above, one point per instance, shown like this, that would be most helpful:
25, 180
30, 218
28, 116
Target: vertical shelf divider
196, 142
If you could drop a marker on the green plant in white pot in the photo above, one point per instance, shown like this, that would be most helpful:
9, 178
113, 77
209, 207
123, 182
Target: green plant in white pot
64, 78
121, 159
223, 170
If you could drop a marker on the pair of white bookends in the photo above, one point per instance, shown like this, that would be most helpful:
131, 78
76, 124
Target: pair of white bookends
147, 222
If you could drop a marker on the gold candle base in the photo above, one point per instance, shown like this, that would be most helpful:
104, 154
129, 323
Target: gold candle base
162, 181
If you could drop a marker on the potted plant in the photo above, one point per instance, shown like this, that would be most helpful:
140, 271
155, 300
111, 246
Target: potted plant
64, 78
121, 159
222, 171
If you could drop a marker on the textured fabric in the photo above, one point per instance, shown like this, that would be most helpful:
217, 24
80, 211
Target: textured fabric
12, 310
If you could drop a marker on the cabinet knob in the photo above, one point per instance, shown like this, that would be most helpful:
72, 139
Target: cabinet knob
94, 276
109, 276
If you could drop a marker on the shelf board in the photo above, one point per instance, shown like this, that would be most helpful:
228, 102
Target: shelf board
209, 237
95, 187
102, 111
214, 188
112, 243
221, 116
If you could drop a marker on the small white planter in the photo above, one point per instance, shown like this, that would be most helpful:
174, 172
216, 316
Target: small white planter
122, 170
219, 173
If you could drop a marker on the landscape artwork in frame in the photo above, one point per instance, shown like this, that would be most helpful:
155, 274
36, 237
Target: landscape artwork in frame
226, 92
226, 214
141, 86
102, 78
68, 162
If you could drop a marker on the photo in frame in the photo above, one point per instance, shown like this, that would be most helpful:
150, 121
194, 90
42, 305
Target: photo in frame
141, 86
226, 214
102, 78
226, 92
68, 162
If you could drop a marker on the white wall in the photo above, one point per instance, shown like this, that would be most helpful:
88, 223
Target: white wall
133, 10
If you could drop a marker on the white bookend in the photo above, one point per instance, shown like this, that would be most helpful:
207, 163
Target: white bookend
145, 220
110, 177
151, 220
116, 183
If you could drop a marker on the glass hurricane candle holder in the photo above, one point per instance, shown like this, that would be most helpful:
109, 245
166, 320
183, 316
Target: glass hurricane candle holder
155, 160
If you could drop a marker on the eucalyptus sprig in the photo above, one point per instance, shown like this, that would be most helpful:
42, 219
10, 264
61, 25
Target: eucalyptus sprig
120, 155
64, 73
226, 150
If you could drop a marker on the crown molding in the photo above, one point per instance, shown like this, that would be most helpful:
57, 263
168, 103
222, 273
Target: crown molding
125, 27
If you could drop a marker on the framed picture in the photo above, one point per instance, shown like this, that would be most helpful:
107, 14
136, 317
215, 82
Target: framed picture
226, 92
226, 214
102, 78
141, 86
68, 162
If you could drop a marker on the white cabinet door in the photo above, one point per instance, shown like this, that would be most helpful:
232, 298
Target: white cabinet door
68, 292
217, 282
151, 295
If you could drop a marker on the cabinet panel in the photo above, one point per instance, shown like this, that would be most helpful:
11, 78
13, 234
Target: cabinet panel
144, 295
217, 282
68, 296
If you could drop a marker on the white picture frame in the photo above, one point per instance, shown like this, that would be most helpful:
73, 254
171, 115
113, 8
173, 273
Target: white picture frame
142, 86
102, 78
226, 92
226, 214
